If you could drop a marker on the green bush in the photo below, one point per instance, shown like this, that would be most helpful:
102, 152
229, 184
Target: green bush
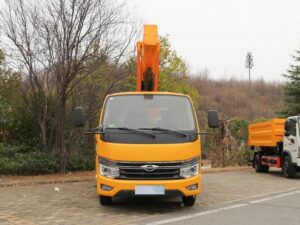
77, 163
238, 128
240, 157
25, 160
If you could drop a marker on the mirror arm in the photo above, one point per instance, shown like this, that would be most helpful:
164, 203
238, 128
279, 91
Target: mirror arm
98, 128
204, 133
91, 132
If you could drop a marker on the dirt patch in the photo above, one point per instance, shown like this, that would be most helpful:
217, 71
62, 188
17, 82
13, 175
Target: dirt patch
46, 179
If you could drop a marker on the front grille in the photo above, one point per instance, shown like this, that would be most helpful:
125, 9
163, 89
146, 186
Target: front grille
164, 171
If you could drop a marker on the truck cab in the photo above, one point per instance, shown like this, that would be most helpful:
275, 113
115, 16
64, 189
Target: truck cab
291, 141
148, 143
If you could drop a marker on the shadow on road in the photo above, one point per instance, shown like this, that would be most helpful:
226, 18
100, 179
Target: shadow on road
149, 205
279, 173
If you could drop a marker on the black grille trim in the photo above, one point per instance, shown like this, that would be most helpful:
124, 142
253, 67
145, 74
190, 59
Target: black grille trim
134, 171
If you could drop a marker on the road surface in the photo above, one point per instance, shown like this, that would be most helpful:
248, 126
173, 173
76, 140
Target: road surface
239, 197
280, 208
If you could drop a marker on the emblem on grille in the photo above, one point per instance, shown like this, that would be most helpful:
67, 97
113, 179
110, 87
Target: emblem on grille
149, 168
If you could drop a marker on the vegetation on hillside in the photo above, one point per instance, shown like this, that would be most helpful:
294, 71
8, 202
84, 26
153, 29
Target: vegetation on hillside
235, 98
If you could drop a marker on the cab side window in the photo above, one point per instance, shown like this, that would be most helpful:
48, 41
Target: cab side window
292, 127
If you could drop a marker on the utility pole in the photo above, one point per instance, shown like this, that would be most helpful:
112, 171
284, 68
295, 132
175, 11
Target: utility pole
249, 64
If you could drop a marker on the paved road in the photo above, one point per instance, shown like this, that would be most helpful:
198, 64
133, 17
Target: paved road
280, 208
77, 203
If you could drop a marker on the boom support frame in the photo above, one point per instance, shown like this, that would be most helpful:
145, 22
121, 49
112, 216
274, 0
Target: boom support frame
148, 60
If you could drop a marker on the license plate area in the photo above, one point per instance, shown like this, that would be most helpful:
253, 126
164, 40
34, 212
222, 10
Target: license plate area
149, 190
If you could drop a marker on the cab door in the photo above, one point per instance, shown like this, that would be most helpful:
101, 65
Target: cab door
291, 139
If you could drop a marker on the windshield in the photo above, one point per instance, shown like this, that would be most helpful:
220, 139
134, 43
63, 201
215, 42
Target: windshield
149, 111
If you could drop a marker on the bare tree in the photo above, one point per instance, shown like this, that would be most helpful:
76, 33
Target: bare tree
59, 38
249, 64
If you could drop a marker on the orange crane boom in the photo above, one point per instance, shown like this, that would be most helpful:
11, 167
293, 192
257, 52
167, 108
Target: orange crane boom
148, 60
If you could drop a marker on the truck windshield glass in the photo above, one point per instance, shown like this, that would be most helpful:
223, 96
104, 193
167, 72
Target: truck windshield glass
149, 111
292, 127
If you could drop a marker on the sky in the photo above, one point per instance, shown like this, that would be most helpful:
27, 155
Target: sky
217, 34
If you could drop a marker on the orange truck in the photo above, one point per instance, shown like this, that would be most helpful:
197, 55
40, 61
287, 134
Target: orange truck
276, 144
147, 142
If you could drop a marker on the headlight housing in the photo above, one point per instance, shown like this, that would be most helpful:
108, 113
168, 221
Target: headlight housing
190, 169
108, 169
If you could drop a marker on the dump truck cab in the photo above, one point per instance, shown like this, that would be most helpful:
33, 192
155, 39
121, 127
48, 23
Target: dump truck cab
291, 141
276, 143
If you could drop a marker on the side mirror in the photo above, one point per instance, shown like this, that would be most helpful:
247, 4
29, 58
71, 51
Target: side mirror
213, 119
287, 133
286, 125
78, 117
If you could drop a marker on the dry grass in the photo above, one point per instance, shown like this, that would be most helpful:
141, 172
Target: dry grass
235, 98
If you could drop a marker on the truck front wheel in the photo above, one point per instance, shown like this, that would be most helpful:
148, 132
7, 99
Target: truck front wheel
288, 169
189, 200
105, 200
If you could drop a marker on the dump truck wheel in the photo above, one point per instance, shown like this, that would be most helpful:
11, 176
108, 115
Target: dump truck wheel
265, 169
105, 200
288, 169
257, 164
189, 200
259, 167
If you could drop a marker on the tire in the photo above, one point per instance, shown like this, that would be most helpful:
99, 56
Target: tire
105, 200
265, 169
258, 167
189, 200
288, 169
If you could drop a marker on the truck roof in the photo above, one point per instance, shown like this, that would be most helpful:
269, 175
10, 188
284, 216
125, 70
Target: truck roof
146, 93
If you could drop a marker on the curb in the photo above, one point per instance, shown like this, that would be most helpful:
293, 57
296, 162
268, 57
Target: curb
18, 184
225, 169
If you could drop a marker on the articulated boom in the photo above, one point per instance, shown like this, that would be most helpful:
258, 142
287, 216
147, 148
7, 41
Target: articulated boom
148, 60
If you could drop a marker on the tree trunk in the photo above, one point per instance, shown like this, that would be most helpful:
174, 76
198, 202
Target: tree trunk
63, 155
43, 126
249, 71
90, 124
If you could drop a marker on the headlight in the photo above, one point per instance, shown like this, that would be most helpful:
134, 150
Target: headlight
108, 169
191, 169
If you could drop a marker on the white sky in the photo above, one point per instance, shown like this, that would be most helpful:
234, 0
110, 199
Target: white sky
216, 34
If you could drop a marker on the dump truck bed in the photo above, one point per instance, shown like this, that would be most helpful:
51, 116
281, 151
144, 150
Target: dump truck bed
266, 134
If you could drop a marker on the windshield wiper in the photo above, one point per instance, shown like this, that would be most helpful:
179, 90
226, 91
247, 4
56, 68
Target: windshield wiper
165, 130
132, 131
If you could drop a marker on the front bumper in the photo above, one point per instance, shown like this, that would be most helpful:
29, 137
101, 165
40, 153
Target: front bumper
129, 185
